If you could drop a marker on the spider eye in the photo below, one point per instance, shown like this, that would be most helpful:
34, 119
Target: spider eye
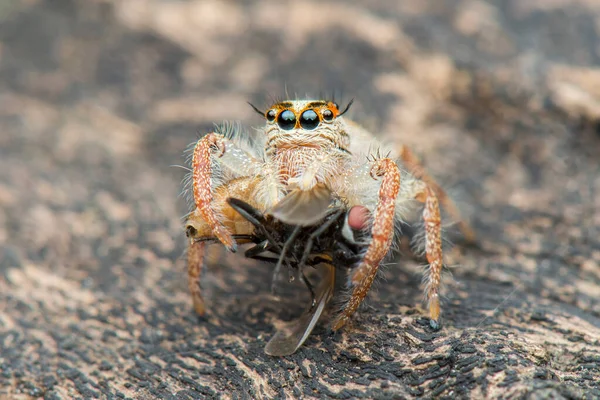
309, 120
271, 115
327, 115
286, 120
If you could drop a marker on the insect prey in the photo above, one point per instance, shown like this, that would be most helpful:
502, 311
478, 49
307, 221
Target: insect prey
329, 246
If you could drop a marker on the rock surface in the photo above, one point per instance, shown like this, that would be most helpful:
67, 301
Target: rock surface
99, 98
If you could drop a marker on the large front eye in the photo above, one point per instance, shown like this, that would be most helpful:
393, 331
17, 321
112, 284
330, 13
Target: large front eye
286, 120
309, 120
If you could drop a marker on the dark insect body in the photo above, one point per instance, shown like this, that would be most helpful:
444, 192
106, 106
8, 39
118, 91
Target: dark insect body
330, 245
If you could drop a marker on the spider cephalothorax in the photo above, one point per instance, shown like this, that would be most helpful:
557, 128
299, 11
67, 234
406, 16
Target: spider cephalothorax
311, 161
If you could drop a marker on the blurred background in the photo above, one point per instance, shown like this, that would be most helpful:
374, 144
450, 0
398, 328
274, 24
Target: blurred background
99, 98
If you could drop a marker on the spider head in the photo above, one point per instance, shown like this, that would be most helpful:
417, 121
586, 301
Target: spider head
305, 123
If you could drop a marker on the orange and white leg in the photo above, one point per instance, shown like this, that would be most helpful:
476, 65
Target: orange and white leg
212, 147
200, 234
195, 263
204, 222
382, 233
410, 160
433, 251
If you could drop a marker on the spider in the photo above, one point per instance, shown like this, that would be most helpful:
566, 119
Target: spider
309, 159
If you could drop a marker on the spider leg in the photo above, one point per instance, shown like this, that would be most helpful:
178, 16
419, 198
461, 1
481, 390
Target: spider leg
195, 263
433, 250
213, 218
382, 233
208, 148
416, 168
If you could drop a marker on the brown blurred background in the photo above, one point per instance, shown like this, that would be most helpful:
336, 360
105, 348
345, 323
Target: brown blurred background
98, 99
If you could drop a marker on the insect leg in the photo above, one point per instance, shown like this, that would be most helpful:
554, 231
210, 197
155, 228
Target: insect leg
310, 288
271, 260
382, 233
349, 256
257, 219
283, 254
257, 249
318, 232
416, 168
247, 211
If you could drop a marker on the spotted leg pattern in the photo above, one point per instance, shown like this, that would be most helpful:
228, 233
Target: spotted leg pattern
382, 233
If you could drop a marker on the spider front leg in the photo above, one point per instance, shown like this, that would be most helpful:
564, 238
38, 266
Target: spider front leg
382, 233
199, 231
213, 219
210, 146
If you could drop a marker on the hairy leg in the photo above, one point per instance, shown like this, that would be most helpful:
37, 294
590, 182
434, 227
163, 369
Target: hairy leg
210, 148
410, 160
433, 250
195, 260
382, 233
205, 150
200, 233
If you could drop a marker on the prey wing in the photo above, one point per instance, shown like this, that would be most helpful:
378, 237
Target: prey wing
304, 207
288, 339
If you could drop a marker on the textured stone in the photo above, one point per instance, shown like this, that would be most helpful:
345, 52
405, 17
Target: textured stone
98, 99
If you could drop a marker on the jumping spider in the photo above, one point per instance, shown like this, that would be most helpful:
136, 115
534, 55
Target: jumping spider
311, 161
